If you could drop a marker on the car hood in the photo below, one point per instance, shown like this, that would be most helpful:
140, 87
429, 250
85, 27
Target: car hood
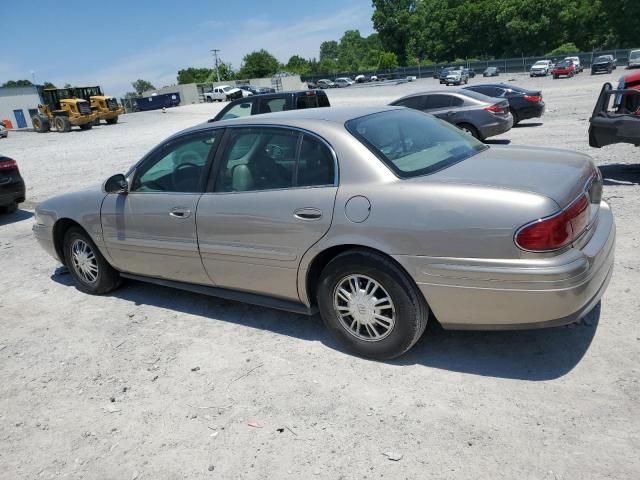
557, 174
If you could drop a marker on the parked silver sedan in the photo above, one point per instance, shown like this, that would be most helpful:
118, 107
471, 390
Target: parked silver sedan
473, 112
374, 217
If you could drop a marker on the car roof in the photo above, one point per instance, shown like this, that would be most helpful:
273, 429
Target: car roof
452, 91
338, 115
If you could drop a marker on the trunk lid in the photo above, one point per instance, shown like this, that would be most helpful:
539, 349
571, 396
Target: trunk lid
561, 175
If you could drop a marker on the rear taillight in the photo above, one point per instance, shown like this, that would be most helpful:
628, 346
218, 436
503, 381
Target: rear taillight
8, 164
494, 108
533, 98
557, 231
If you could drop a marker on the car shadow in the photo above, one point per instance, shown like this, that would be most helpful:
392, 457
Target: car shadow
499, 141
532, 355
620, 174
17, 216
527, 125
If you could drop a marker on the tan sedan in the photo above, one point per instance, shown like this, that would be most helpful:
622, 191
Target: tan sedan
378, 218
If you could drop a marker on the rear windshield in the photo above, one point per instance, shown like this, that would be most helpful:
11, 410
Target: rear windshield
413, 143
312, 101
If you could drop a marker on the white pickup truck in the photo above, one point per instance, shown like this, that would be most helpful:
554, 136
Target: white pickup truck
223, 93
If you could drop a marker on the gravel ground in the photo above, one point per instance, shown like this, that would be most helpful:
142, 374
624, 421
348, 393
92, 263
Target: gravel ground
152, 383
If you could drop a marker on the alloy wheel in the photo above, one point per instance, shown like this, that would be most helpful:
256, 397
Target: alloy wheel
84, 261
364, 308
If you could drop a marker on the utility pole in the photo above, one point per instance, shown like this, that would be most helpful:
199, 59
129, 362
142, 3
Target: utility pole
215, 56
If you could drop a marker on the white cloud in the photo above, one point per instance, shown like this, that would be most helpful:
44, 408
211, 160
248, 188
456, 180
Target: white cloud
160, 63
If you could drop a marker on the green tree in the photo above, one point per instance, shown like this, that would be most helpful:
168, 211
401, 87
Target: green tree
194, 75
387, 60
259, 64
141, 86
48, 85
329, 50
297, 64
17, 83
564, 49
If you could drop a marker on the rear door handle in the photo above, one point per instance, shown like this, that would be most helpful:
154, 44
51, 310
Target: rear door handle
180, 212
308, 213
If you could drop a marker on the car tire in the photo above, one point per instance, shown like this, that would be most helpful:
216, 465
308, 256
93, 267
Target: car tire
90, 271
555, 77
209, 99
11, 208
86, 126
514, 114
399, 325
112, 121
470, 129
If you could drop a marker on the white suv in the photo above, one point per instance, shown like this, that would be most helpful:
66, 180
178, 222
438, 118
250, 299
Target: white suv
540, 68
634, 58
576, 63
223, 93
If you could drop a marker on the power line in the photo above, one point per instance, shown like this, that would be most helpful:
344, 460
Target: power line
215, 56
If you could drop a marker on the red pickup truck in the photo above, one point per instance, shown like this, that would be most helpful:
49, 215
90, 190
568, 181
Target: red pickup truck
616, 117
565, 67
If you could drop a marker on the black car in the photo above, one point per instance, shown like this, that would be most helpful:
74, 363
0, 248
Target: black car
604, 64
12, 189
523, 103
491, 72
257, 90
273, 102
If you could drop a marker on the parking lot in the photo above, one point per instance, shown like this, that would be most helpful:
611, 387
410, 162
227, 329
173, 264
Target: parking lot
153, 383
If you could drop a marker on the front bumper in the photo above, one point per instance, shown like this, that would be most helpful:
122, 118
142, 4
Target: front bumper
539, 73
44, 236
495, 294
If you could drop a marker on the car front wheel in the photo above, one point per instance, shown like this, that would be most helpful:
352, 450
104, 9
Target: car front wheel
370, 305
91, 272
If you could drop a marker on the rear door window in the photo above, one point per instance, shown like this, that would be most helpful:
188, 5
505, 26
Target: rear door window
272, 105
417, 102
315, 164
437, 102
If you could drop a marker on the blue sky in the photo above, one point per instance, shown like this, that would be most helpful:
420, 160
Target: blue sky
153, 40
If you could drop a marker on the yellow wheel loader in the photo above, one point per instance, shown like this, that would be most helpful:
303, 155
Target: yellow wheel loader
61, 110
104, 106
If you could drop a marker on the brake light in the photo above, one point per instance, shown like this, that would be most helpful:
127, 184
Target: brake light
533, 98
557, 231
494, 109
8, 164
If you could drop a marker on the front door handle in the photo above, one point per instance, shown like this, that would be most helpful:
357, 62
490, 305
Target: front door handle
308, 214
180, 212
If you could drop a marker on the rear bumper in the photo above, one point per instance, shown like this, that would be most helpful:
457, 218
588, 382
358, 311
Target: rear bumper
533, 111
13, 193
494, 294
496, 127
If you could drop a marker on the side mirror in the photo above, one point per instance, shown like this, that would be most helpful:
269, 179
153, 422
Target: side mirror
116, 184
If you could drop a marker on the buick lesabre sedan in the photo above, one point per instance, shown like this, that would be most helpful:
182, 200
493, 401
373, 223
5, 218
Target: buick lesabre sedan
375, 217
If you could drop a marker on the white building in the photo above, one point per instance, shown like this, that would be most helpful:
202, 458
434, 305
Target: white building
18, 105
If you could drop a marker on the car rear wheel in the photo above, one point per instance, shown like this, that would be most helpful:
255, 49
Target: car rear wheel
11, 208
470, 129
370, 305
516, 120
91, 272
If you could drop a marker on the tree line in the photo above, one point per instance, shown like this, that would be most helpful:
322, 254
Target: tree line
446, 30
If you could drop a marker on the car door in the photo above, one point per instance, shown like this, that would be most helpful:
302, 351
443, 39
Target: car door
439, 105
151, 229
272, 199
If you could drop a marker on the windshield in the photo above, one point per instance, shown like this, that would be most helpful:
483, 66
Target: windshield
413, 143
635, 54
541, 64
601, 59
565, 63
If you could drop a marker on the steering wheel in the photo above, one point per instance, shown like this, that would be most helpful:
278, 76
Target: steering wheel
175, 175
274, 151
